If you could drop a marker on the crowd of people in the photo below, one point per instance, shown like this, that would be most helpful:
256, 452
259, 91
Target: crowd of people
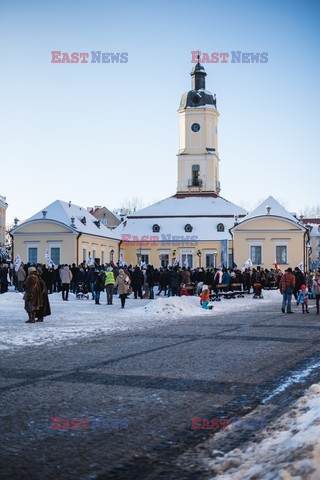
170, 281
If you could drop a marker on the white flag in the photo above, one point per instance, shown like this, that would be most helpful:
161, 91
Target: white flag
17, 262
301, 266
248, 264
90, 261
49, 262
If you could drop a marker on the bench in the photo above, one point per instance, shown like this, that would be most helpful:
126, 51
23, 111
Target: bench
221, 291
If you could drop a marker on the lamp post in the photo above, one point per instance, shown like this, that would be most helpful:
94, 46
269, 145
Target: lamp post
199, 255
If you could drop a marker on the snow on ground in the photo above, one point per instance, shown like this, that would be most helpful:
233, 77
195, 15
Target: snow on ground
80, 318
289, 449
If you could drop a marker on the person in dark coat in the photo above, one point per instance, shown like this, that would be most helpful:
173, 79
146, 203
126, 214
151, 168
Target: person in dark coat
98, 285
300, 280
4, 278
174, 281
150, 280
163, 282
137, 282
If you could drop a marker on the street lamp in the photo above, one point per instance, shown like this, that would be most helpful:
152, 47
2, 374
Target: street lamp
199, 255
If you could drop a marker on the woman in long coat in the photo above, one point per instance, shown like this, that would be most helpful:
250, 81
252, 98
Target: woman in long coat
122, 282
36, 297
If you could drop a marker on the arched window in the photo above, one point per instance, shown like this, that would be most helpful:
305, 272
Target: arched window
156, 228
188, 228
220, 227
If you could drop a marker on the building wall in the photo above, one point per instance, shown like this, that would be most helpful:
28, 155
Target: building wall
3, 208
42, 235
269, 232
98, 248
131, 252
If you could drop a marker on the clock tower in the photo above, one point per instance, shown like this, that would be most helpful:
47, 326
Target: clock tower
198, 159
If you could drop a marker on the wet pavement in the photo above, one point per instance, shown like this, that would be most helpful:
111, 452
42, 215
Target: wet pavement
137, 392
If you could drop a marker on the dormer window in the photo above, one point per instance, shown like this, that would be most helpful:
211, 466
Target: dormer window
220, 227
84, 221
97, 222
188, 228
156, 228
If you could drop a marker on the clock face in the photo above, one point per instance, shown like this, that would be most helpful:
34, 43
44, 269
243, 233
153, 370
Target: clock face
195, 127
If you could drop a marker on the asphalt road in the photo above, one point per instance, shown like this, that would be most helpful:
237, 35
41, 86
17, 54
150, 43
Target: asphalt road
153, 383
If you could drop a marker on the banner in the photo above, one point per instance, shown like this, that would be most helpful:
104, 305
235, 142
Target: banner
49, 262
224, 253
17, 262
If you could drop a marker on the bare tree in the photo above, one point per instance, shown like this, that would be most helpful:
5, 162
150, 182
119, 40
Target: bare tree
311, 212
129, 206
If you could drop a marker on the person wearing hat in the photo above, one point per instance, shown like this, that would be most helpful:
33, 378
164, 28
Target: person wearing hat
35, 297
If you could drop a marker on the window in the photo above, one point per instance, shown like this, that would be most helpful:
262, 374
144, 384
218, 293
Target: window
195, 175
55, 255
94, 254
33, 255
281, 254
164, 260
145, 259
188, 228
256, 254
156, 228
102, 257
230, 259
84, 254
187, 260
209, 260
220, 227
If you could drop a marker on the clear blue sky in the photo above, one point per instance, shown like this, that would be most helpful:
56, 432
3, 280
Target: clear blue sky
97, 133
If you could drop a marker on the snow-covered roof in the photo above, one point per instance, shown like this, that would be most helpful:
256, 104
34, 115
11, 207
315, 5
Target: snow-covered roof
276, 209
201, 205
203, 213
62, 212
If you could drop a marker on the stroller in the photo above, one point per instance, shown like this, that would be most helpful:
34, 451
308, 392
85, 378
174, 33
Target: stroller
257, 290
82, 292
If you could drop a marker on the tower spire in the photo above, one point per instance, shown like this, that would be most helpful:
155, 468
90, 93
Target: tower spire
198, 75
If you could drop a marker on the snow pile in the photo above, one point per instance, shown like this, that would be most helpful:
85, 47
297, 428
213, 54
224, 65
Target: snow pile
289, 449
175, 307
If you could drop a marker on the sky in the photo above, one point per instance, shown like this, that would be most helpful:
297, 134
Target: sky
101, 133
